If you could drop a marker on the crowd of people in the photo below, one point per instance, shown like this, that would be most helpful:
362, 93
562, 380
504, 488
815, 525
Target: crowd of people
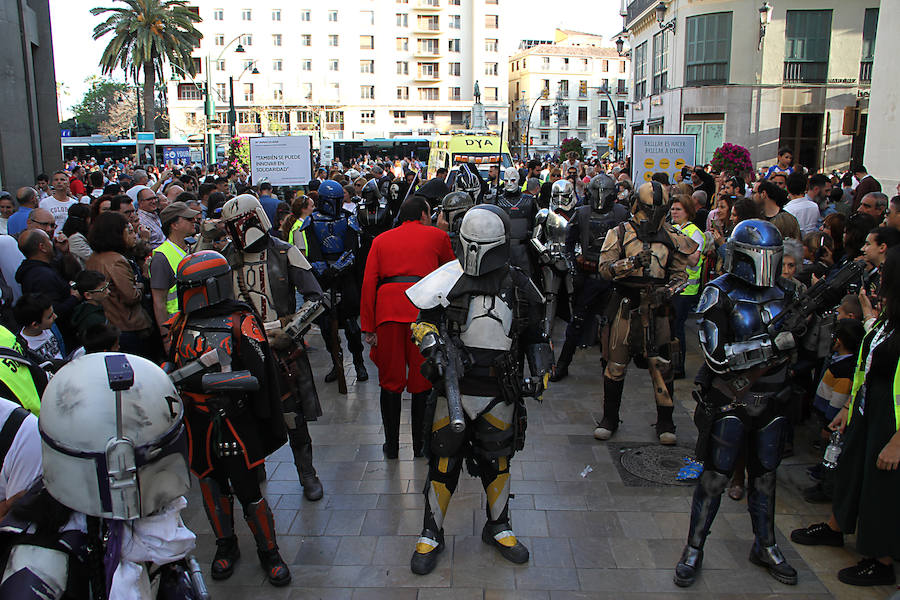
455, 284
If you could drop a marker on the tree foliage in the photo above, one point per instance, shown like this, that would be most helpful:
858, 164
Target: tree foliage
99, 99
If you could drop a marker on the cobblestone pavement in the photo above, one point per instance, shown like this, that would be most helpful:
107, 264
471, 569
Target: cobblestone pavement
590, 535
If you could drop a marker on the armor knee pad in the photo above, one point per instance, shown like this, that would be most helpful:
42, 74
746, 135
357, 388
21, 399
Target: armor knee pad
770, 443
664, 366
615, 371
727, 436
713, 483
764, 483
494, 434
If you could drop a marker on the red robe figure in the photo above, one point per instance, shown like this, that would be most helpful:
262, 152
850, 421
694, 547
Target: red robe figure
398, 258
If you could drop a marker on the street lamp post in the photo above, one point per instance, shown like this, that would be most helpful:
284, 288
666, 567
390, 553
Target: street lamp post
545, 93
615, 149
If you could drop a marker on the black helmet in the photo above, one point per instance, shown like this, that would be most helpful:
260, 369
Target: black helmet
602, 192
371, 195
454, 205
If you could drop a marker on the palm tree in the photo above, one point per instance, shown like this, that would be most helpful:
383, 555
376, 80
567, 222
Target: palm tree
146, 33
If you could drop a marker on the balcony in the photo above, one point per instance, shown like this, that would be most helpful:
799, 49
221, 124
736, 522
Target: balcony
865, 72
427, 5
427, 77
636, 8
427, 30
427, 54
805, 72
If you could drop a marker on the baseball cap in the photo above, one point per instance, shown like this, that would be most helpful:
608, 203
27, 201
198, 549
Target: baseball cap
175, 210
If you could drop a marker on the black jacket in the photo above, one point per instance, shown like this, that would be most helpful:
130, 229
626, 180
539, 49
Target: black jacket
38, 277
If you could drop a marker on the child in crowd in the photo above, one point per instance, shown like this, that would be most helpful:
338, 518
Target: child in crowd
101, 337
35, 313
93, 287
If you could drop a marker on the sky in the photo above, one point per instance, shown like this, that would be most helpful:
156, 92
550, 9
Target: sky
77, 55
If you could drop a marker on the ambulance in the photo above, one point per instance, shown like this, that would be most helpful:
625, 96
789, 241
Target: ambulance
481, 149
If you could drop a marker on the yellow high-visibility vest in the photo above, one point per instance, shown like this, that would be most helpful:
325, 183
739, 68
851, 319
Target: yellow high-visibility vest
173, 254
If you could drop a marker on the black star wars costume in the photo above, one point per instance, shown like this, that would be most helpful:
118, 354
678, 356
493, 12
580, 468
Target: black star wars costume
522, 210
585, 234
467, 187
645, 258
266, 273
742, 384
373, 216
234, 419
476, 322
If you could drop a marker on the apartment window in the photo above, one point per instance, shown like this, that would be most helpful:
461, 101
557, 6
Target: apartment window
220, 39
490, 68
220, 91
306, 39
545, 137
545, 63
332, 16
453, 2
806, 47
620, 87
334, 65
402, 1
248, 64
220, 64
455, 69
247, 39
710, 132
248, 92
368, 17
584, 64
306, 91
708, 49
564, 88
453, 45
565, 65
367, 66
428, 116
545, 116
402, 44
249, 122
582, 88
218, 14
490, 1
428, 23
189, 91
278, 91
402, 20
428, 70
660, 62
276, 39
276, 15
334, 117
454, 22
367, 92
305, 116
366, 42
604, 84
582, 116
640, 71
457, 117
402, 67
563, 116
402, 93
399, 117
428, 46
429, 94
277, 64
870, 24
367, 116
333, 40
491, 22
190, 119
604, 109
490, 45
305, 15
279, 120
454, 93
246, 15
490, 117
603, 130
491, 94
434, 3
620, 108
621, 66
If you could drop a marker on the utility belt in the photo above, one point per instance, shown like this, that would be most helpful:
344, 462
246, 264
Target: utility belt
398, 279
217, 406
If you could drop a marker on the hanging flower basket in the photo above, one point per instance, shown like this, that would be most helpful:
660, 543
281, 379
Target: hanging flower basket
731, 159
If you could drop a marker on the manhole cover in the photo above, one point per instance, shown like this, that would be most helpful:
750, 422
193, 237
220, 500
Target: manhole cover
650, 464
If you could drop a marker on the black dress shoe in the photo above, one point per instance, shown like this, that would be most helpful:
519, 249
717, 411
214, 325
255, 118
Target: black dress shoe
227, 554
560, 372
391, 451
688, 566
818, 534
774, 562
312, 488
332, 375
868, 572
361, 373
424, 558
509, 546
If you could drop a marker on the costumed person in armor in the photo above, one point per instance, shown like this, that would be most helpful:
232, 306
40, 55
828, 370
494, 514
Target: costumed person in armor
467, 189
266, 273
646, 259
549, 240
104, 522
742, 382
585, 233
477, 321
232, 430
333, 252
373, 216
522, 211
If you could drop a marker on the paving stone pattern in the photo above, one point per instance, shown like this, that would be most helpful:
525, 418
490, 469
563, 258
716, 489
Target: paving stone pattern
590, 536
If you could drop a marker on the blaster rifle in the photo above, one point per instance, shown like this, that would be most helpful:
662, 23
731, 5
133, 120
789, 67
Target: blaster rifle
452, 371
337, 354
649, 301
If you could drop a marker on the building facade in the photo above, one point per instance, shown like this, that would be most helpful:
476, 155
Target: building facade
576, 70
29, 121
757, 74
358, 69
882, 139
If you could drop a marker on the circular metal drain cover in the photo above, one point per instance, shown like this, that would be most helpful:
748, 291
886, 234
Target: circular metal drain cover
655, 463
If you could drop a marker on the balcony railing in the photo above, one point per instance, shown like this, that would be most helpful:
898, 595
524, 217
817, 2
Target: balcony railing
865, 71
636, 8
805, 72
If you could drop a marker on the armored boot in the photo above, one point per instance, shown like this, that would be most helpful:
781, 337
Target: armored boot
765, 552
220, 511
301, 446
704, 506
390, 419
665, 426
612, 399
360, 366
354, 344
262, 524
443, 475
417, 423
561, 368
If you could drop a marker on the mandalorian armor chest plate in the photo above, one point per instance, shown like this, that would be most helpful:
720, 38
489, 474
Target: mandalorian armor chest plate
488, 324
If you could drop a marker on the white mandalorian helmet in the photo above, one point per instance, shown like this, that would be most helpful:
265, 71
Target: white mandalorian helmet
246, 221
511, 180
562, 195
112, 437
484, 237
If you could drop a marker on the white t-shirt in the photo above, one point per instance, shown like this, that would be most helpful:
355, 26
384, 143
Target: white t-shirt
22, 464
44, 344
59, 210
806, 212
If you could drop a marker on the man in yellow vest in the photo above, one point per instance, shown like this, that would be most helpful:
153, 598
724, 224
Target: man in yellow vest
178, 222
21, 380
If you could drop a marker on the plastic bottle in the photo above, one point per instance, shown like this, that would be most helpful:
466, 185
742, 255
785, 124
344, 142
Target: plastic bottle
833, 451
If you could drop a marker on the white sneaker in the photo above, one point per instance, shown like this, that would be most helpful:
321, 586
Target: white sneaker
602, 433
666, 439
